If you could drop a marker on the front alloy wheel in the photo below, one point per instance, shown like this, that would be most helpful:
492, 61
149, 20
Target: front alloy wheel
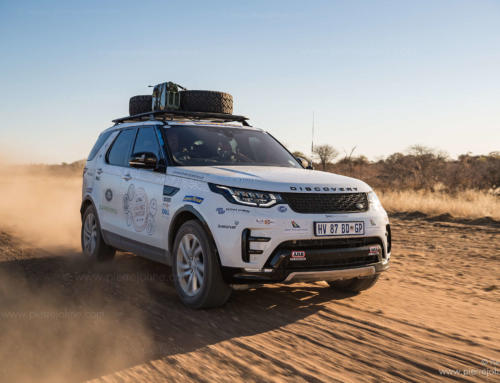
196, 268
190, 265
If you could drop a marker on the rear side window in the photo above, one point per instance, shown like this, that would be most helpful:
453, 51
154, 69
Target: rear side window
147, 142
119, 153
98, 145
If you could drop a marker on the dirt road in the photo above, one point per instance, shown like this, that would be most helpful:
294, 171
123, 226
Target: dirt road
435, 311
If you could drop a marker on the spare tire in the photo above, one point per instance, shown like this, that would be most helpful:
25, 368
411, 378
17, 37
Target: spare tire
206, 101
140, 104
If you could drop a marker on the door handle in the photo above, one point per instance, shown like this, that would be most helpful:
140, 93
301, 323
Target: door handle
99, 171
127, 177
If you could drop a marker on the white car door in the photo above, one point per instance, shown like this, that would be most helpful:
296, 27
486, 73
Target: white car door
111, 178
146, 221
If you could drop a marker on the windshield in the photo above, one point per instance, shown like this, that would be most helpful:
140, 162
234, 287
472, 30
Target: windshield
207, 145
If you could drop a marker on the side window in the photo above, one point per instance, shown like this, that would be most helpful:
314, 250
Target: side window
98, 145
119, 153
147, 142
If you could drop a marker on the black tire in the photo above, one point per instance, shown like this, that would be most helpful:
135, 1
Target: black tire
213, 291
140, 104
354, 285
100, 252
206, 101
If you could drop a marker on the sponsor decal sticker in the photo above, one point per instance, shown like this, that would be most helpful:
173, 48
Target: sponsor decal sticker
374, 250
265, 221
295, 227
232, 227
193, 199
167, 199
165, 209
298, 255
108, 209
282, 208
221, 210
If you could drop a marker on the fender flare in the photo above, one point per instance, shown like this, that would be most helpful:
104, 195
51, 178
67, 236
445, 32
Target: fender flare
172, 226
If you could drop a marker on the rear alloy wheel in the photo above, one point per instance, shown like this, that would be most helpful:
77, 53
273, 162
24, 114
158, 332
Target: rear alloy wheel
354, 285
196, 270
93, 246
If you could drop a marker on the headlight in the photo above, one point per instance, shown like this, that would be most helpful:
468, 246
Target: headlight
247, 197
373, 201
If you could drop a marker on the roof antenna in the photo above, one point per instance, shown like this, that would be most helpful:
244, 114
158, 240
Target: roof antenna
312, 137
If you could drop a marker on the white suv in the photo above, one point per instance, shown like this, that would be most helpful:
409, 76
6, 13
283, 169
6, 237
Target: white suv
224, 203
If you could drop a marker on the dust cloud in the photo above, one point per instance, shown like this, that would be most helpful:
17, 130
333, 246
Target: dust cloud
61, 318
40, 206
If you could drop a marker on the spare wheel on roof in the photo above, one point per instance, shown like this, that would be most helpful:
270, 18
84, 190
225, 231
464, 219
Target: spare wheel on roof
206, 101
140, 104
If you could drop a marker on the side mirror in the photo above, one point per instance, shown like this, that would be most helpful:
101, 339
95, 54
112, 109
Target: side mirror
143, 160
304, 163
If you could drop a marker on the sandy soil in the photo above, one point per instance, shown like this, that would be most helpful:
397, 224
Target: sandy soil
436, 309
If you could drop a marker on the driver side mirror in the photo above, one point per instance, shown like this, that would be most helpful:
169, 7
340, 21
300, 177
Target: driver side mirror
304, 163
143, 160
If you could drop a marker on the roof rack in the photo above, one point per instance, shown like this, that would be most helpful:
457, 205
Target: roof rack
171, 114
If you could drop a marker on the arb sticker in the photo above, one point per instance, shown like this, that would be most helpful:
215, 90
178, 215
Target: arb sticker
298, 255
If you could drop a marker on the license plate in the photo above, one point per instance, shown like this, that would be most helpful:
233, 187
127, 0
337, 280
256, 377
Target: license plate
324, 229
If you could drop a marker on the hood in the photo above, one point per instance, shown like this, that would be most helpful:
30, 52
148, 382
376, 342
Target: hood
272, 178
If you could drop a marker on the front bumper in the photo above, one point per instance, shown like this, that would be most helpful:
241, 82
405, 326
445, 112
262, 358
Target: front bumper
316, 260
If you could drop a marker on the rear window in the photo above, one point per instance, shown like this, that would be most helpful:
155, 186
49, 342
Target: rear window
120, 151
98, 145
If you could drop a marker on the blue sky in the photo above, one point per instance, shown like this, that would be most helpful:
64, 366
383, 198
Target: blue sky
379, 75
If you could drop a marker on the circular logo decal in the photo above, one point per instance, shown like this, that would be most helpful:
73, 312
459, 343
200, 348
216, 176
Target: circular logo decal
282, 209
109, 195
139, 210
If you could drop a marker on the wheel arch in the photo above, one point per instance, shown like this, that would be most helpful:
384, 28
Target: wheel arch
184, 214
87, 201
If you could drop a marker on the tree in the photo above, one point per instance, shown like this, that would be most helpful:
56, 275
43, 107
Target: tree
326, 154
301, 155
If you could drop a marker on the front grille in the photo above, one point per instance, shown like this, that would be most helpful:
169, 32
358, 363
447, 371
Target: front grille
318, 203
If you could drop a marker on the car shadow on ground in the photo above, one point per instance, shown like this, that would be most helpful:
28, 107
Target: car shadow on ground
65, 320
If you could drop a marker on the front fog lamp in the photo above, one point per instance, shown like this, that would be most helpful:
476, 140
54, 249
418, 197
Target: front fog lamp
247, 197
373, 201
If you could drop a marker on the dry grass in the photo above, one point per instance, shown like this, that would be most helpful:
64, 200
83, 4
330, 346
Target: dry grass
467, 204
